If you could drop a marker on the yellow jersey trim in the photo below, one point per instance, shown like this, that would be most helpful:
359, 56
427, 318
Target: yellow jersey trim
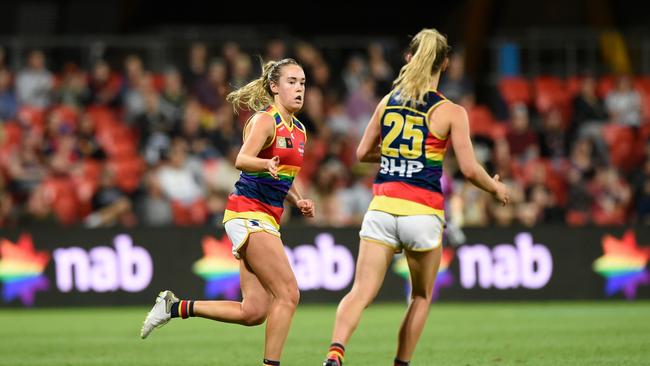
270, 143
429, 122
229, 215
289, 127
407, 108
402, 207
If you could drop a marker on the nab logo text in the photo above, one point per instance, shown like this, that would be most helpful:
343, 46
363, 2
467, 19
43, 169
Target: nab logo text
506, 266
323, 265
103, 269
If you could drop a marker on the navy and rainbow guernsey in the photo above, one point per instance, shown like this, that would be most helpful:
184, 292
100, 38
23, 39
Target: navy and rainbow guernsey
260, 196
408, 182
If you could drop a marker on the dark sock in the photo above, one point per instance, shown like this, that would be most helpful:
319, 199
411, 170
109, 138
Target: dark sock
183, 309
271, 363
337, 350
399, 362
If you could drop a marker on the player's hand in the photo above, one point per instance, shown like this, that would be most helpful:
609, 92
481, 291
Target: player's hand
272, 166
501, 193
306, 207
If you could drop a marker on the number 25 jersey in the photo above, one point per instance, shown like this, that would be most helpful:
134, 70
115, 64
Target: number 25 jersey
408, 181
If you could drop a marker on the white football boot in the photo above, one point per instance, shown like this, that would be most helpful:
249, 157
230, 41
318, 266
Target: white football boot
160, 314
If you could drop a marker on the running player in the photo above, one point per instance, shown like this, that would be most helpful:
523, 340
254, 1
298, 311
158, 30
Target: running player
270, 158
408, 136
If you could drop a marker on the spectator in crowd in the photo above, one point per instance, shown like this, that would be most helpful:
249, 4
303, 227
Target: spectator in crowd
211, 90
104, 86
320, 77
552, 138
588, 107
642, 189
612, 197
581, 170
134, 85
197, 65
581, 159
173, 94
521, 138
360, 105
242, 69
6, 204
26, 165
339, 122
540, 197
198, 140
223, 130
313, 112
34, 83
155, 124
3, 59
276, 49
88, 147
355, 197
181, 178
454, 83
329, 179
73, 90
153, 207
220, 173
8, 101
474, 206
354, 74
589, 117
231, 52
380, 69
624, 103
110, 204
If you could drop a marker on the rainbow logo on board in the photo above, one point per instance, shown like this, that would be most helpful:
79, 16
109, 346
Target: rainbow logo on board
623, 264
21, 270
443, 280
218, 268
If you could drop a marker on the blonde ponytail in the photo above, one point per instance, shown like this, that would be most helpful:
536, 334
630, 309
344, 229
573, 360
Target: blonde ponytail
428, 50
257, 94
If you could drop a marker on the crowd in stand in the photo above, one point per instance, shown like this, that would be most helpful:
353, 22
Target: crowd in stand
122, 145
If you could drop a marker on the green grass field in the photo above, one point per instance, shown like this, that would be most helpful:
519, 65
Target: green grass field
580, 333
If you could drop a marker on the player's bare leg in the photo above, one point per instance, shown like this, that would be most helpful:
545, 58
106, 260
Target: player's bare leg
265, 256
372, 263
423, 267
253, 308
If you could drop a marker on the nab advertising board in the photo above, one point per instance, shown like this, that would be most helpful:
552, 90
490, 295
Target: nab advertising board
54, 267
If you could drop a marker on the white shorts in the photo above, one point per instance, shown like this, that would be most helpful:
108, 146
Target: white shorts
415, 232
238, 231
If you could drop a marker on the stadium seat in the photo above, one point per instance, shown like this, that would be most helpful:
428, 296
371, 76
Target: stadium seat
61, 193
118, 141
481, 121
577, 218
554, 180
621, 141
550, 92
158, 81
103, 117
11, 134
515, 90
191, 214
573, 85
68, 114
32, 117
605, 85
642, 84
128, 172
